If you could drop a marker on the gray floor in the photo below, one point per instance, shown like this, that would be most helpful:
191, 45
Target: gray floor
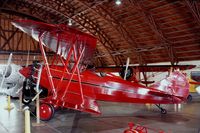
114, 119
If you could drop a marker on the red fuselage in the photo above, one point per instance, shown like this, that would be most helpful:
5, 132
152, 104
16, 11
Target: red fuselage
107, 88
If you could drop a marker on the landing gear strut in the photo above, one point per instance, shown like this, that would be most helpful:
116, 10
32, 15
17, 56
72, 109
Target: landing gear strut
162, 110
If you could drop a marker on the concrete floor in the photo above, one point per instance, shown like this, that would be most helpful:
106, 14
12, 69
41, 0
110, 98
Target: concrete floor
114, 119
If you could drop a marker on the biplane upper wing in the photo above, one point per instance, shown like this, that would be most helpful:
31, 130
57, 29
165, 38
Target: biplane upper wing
148, 68
58, 38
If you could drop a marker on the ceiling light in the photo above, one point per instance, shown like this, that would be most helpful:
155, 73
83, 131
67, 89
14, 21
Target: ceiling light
118, 2
70, 22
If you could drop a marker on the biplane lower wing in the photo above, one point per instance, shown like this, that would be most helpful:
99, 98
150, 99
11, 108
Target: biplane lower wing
74, 102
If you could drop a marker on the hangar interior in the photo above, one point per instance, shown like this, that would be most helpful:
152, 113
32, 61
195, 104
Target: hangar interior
145, 31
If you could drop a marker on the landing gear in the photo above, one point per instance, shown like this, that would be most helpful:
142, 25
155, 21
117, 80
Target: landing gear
46, 111
189, 98
27, 93
162, 110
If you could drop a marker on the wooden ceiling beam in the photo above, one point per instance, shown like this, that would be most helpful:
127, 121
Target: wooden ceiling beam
119, 38
194, 9
24, 52
121, 30
190, 56
187, 51
187, 45
3, 3
105, 15
154, 26
18, 42
87, 7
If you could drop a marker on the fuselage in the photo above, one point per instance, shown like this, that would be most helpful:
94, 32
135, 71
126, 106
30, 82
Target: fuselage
106, 88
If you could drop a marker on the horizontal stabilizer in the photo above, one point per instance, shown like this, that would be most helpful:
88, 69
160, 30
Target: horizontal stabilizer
174, 85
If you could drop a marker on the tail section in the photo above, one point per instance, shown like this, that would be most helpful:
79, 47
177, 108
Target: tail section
176, 85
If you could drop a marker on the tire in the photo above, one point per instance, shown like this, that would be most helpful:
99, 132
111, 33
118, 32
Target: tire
163, 111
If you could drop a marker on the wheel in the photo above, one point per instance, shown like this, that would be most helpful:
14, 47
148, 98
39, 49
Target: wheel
189, 98
163, 111
46, 111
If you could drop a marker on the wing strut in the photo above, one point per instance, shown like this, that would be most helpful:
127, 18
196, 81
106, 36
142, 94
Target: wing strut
47, 66
75, 69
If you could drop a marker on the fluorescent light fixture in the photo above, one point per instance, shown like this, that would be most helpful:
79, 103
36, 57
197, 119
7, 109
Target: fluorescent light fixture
118, 2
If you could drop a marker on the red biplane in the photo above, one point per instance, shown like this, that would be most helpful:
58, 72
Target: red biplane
70, 85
